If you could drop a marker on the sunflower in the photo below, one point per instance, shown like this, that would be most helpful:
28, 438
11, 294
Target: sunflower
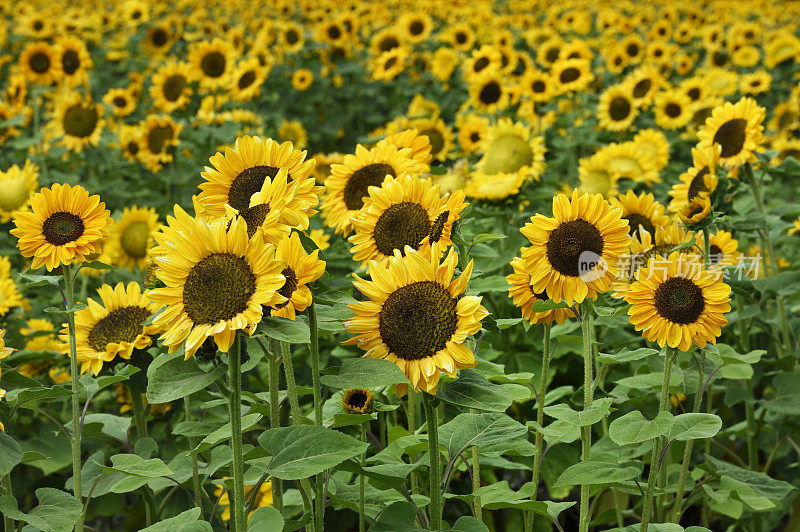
291, 37
471, 132
251, 167
16, 187
654, 143
484, 59
112, 328
416, 27
438, 134
460, 36
292, 131
595, 176
644, 83
160, 37
701, 178
212, 63
695, 88
574, 254
416, 316
217, 281
41, 336
523, 296
121, 102
159, 133
419, 142
349, 182
696, 210
443, 63
536, 86
39, 63
678, 305
65, 225
389, 64
737, 128
642, 210
493, 187
723, 249
572, 75
549, 51
132, 237
634, 48
672, 109
405, 212
356, 400
302, 78
628, 160
76, 121
300, 269
75, 61
487, 93
509, 148
170, 88
247, 79
721, 82
616, 110
10, 296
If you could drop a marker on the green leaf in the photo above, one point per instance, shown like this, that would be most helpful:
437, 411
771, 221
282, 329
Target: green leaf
186, 522
138, 471
599, 409
543, 305
746, 494
57, 511
695, 426
466, 430
24, 398
472, 390
487, 237
114, 426
397, 516
305, 450
365, 373
33, 279
286, 330
392, 475
224, 433
93, 385
264, 518
761, 483
649, 380
10, 453
602, 469
170, 377
557, 432
499, 495
626, 355
634, 428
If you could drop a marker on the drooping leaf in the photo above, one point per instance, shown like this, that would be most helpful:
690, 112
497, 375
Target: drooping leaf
694, 426
466, 430
601, 469
365, 373
170, 377
634, 428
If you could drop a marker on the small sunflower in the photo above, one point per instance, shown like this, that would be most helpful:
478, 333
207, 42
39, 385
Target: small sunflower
672, 109
416, 26
509, 148
212, 62
439, 135
417, 317
419, 142
723, 249
644, 83
536, 86
701, 178
738, 129
696, 210
292, 131
75, 60
487, 93
39, 63
170, 88
389, 64
523, 296
572, 75
405, 212
573, 255
65, 225
642, 210
217, 281
628, 160
247, 79
121, 102
756, 83
112, 328
132, 237
16, 187
291, 37
471, 132
654, 143
616, 110
349, 182
76, 121
159, 133
302, 79
300, 269
357, 400
678, 305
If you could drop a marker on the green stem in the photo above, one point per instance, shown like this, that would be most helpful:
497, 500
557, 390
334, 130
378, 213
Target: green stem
411, 415
140, 420
476, 482
7, 521
319, 495
654, 456
291, 385
361, 482
435, 474
539, 442
69, 289
198, 488
588, 392
687, 452
235, 409
274, 412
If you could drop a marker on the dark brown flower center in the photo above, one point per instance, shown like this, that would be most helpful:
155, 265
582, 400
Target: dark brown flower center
568, 241
635, 220
80, 121
218, 288
120, 325
403, 224
641, 88
490, 93
247, 183
213, 64
158, 137
288, 287
679, 300
619, 109
173, 87
70, 62
246, 79
62, 227
39, 62
358, 185
568, 75
672, 110
731, 136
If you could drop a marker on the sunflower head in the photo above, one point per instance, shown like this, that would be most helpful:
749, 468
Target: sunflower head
4, 351
737, 129
696, 210
16, 187
357, 400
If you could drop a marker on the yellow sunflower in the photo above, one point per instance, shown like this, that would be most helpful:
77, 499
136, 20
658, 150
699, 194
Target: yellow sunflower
65, 225
654, 143
616, 110
510, 149
696, 210
628, 160
416, 316
121, 102
250, 167
700, 178
41, 336
438, 134
356, 400
471, 132
300, 269
159, 133
574, 254
76, 121
39, 63
132, 237
644, 83
217, 281
212, 63
523, 296
262, 498
349, 182
487, 92
723, 249
10, 296
302, 79
293, 132
112, 328
595, 176
170, 89
389, 64
757, 82
247, 79
738, 129
419, 142
16, 187
572, 75
672, 109
640, 210
678, 305
75, 60
404, 212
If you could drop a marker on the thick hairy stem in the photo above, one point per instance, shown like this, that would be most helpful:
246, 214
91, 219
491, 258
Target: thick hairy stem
588, 392
539, 442
274, 412
435, 474
198, 488
313, 347
69, 289
235, 409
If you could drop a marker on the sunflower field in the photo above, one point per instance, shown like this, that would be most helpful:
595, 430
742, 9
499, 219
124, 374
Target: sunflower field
400, 265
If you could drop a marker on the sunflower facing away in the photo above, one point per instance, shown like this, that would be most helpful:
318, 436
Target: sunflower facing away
678, 305
132, 237
16, 187
416, 316
66, 224
523, 296
217, 281
299, 269
356, 400
737, 128
112, 328
349, 182
404, 211
574, 254
510, 149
